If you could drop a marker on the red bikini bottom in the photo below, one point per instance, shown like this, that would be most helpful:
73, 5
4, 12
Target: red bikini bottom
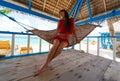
61, 39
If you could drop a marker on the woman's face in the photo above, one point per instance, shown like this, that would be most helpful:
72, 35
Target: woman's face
62, 14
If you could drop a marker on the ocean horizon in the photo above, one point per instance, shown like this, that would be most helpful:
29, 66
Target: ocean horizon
21, 41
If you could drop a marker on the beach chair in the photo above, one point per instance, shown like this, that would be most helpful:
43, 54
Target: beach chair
23, 50
4, 47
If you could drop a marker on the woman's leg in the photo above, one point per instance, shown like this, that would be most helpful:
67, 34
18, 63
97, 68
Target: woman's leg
56, 44
59, 49
49, 57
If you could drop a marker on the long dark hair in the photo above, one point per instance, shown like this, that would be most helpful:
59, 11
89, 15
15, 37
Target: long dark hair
67, 23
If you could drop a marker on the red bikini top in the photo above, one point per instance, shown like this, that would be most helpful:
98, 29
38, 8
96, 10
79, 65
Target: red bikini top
62, 29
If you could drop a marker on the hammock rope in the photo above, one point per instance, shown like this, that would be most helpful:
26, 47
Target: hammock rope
19, 23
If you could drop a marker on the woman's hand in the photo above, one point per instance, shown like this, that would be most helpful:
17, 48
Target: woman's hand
77, 40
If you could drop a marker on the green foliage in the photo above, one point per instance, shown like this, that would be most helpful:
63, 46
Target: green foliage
5, 11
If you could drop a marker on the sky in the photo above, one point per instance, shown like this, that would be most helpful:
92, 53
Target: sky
40, 23
36, 22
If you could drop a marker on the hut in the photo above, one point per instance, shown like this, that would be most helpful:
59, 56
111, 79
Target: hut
71, 65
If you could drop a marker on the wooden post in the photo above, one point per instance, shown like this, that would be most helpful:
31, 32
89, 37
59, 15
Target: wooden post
13, 44
114, 49
112, 31
40, 45
80, 45
87, 45
28, 44
98, 47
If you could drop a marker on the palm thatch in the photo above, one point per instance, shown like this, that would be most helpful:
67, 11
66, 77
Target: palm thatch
52, 7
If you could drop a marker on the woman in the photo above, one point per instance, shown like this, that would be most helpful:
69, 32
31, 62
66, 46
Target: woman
64, 30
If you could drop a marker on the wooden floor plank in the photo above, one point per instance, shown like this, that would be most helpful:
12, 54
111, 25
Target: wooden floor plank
89, 71
71, 65
55, 64
113, 72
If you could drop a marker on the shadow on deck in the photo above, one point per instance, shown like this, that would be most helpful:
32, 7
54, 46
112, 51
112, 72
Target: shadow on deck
71, 65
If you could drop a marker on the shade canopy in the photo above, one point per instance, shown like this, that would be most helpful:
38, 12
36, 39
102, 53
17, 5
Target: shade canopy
83, 11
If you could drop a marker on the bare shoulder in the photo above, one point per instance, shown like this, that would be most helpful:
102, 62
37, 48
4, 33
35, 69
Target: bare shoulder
72, 19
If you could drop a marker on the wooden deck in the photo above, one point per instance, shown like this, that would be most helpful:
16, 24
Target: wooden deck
71, 65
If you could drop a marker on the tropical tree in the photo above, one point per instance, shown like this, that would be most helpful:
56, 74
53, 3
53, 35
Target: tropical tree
5, 10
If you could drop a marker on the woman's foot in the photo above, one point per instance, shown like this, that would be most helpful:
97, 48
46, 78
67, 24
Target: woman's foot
39, 70
37, 73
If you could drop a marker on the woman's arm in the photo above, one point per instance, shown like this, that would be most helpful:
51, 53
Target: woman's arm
74, 33
57, 30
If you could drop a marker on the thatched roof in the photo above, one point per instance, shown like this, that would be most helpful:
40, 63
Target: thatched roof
52, 7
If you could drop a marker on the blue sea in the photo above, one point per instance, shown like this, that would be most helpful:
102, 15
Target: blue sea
23, 40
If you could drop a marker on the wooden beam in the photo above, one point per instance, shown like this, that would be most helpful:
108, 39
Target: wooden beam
83, 19
44, 5
80, 15
29, 4
78, 9
68, 4
55, 7
104, 2
89, 8
112, 31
